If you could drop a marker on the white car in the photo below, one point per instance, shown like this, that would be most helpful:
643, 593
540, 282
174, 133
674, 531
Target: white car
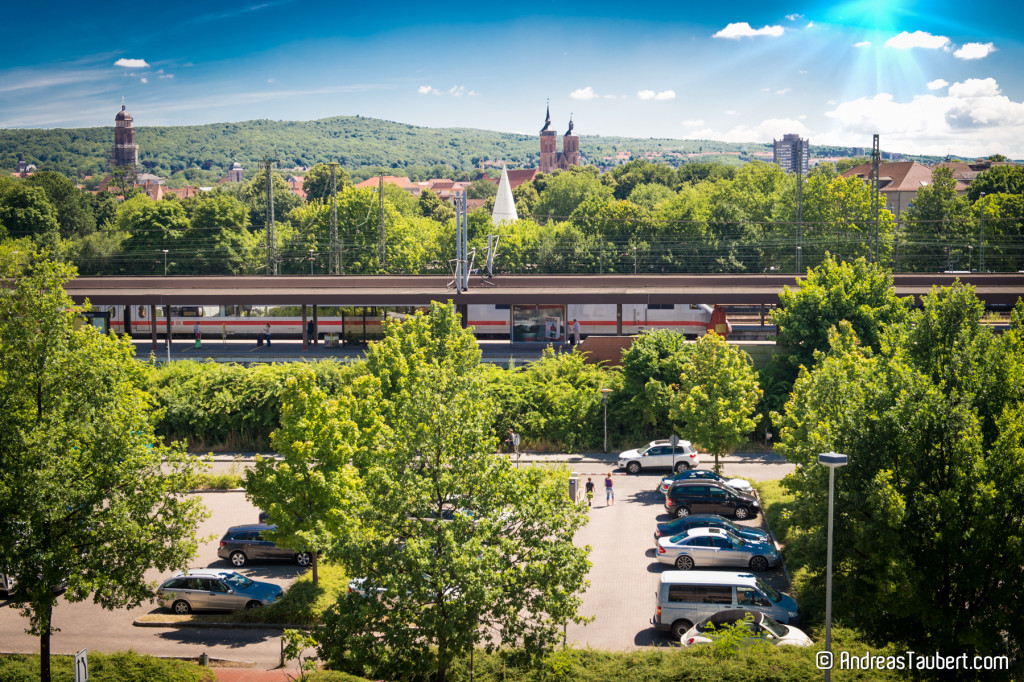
740, 484
659, 454
761, 626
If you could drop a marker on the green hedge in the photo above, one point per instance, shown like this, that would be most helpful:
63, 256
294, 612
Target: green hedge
123, 666
215, 405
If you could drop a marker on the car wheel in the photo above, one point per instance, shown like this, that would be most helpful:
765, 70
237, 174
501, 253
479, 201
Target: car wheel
684, 563
254, 604
681, 512
304, 559
758, 563
742, 513
181, 607
238, 559
633, 467
680, 627
681, 467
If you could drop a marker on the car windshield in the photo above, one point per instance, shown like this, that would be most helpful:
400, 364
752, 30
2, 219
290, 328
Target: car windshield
774, 627
773, 594
237, 581
645, 448
736, 539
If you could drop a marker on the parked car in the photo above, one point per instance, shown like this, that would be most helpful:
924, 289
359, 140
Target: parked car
687, 597
715, 547
703, 474
659, 454
684, 523
215, 590
710, 497
761, 626
242, 544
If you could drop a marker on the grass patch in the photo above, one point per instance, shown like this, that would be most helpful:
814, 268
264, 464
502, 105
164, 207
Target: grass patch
226, 481
777, 505
301, 604
122, 666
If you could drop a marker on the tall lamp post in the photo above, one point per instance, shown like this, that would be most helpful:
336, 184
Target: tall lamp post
165, 260
833, 461
604, 394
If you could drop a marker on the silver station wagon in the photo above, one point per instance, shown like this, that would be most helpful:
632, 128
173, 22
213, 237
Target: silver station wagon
215, 590
713, 547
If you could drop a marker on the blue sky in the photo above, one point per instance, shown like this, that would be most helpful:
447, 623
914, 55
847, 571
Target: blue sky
931, 78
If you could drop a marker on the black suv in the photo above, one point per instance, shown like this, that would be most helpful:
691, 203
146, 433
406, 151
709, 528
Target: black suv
242, 544
709, 497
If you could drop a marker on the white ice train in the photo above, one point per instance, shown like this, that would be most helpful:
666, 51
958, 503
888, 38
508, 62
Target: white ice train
525, 322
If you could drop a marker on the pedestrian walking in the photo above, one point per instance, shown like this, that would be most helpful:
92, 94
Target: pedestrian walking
266, 334
311, 332
609, 491
590, 492
575, 332
199, 338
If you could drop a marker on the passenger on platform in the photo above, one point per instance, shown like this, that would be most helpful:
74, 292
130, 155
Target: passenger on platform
266, 334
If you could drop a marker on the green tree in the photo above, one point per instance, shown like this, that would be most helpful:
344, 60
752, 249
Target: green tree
939, 227
651, 368
482, 189
154, 226
452, 535
310, 493
74, 211
254, 195
718, 395
932, 424
996, 180
83, 498
860, 292
565, 191
26, 212
317, 182
432, 207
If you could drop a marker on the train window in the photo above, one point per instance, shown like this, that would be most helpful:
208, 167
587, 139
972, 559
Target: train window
502, 306
661, 306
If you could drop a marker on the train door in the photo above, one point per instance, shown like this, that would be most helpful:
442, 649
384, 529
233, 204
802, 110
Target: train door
532, 323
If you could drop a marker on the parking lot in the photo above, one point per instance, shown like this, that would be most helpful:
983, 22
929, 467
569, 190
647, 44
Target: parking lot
621, 596
625, 574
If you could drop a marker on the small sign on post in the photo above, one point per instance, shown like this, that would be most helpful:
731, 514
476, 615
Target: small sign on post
674, 440
82, 666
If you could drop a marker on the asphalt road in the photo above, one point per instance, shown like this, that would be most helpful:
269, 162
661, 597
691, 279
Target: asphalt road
621, 596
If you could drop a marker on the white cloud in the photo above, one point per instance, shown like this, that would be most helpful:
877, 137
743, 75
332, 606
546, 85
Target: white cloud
975, 87
457, 90
731, 112
802, 117
784, 91
863, 43
132, 63
143, 80
271, 80
584, 93
694, 123
794, 17
772, 128
975, 51
974, 118
922, 39
810, 24
936, 84
168, 76
742, 29
613, 96
427, 90
661, 96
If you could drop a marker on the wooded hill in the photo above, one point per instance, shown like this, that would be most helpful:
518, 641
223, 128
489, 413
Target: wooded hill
202, 153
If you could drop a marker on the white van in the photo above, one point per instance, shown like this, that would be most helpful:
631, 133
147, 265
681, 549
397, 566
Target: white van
686, 597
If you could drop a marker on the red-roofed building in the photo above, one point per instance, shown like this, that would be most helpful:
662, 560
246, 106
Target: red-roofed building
518, 176
898, 182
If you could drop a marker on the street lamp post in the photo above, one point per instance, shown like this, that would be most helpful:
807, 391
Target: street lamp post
833, 461
604, 394
165, 260
311, 259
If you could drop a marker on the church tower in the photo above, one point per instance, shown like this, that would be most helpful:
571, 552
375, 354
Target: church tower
548, 152
125, 151
570, 148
